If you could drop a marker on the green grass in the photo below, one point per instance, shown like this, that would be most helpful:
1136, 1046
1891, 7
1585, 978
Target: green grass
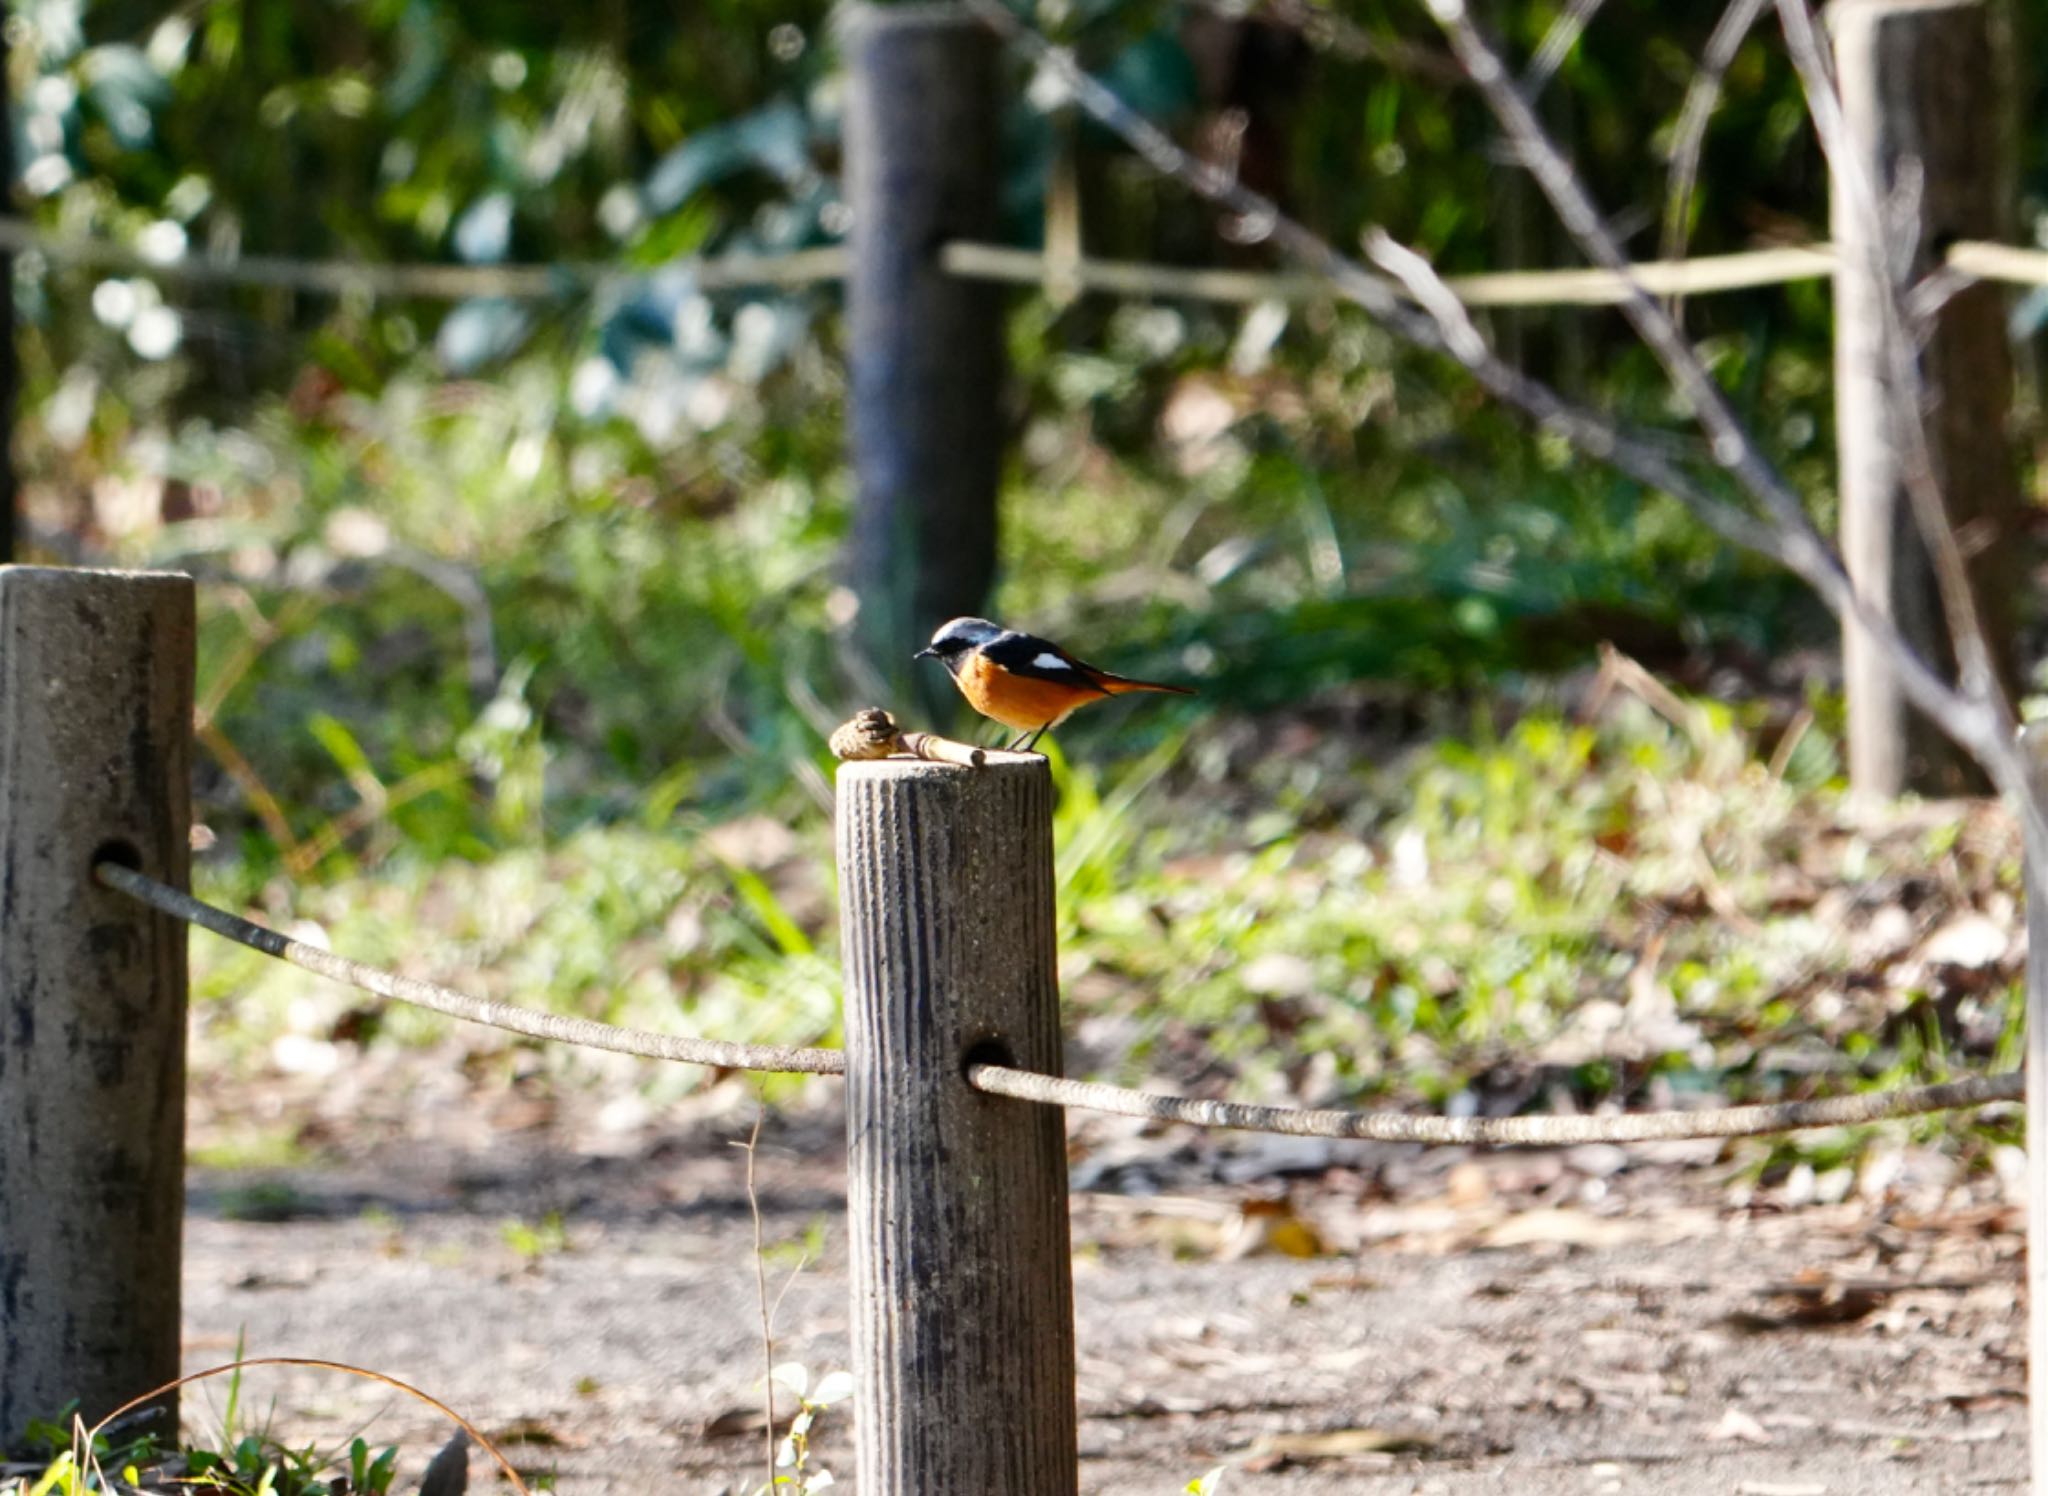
1387, 852
242, 1459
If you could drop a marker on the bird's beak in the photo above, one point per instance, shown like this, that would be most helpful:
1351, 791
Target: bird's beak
927, 653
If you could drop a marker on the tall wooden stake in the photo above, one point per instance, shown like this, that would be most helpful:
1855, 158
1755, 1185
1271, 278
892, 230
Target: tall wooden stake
1913, 77
95, 762
2035, 741
963, 1308
924, 348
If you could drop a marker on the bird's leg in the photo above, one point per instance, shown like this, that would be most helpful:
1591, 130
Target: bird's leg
1032, 739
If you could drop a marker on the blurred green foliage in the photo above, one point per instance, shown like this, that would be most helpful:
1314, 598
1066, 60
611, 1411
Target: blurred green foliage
520, 627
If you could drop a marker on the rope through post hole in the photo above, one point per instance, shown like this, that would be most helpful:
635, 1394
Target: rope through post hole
1047, 1090
1501, 1132
538, 1025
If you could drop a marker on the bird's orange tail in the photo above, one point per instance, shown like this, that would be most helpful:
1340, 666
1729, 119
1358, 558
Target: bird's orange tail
1118, 685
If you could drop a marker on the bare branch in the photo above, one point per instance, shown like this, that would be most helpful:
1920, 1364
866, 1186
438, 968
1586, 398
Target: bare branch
1973, 714
1789, 538
1589, 431
1977, 675
1690, 137
1557, 44
1327, 31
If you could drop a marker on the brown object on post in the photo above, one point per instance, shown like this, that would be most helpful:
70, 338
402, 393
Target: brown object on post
962, 1304
95, 764
872, 733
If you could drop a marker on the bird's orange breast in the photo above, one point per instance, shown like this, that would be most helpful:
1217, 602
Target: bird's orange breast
1020, 702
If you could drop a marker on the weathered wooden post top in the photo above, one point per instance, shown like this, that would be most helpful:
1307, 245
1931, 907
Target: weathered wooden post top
963, 1312
95, 764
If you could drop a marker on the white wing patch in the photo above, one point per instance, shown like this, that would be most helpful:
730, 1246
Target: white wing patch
1047, 660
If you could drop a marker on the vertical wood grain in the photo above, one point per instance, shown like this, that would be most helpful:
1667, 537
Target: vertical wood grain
95, 734
2034, 740
963, 1315
1914, 78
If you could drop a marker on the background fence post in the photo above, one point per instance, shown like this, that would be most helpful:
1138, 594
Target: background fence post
1914, 77
10, 358
924, 348
963, 1313
2034, 739
95, 762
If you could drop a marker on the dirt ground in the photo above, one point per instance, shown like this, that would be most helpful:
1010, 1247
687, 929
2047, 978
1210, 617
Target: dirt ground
1601, 1320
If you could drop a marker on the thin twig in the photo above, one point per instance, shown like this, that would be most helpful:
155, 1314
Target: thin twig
1557, 43
1787, 538
761, 1292
1594, 434
1977, 676
1689, 140
236, 1367
244, 774
1327, 31
1971, 712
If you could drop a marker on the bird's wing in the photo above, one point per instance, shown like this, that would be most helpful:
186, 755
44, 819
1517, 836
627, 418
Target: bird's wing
1041, 659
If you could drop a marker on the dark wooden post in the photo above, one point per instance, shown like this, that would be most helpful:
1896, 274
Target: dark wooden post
924, 348
963, 1307
2034, 740
1914, 74
95, 763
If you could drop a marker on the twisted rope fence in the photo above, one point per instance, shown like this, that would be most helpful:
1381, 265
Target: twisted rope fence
532, 1022
962, 1323
1966, 260
1051, 1090
952, 1018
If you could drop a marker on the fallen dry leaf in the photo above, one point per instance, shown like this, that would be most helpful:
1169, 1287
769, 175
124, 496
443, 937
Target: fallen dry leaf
1275, 1451
1268, 1226
1739, 1426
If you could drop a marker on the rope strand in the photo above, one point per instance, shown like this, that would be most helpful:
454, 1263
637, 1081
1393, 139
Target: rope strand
531, 1022
1048, 1090
1698, 275
1500, 1132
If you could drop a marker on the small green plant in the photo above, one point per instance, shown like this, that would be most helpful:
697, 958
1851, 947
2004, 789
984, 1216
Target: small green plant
241, 1461
793, 1454
543, 1238
1207, 1484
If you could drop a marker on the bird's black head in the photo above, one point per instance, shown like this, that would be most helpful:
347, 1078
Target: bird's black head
955, 638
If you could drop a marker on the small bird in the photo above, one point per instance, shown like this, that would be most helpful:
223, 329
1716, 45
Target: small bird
1026, 683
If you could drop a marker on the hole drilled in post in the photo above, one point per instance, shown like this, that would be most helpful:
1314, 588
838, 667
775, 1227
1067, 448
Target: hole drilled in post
990, 1051
118, 851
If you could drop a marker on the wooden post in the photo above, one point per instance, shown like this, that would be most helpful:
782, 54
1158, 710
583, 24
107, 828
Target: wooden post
924, 348
95, 762
1913, 77
2034, 740
963, 1296
10, 362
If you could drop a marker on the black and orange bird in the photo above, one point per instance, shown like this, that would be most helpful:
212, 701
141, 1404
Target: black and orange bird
1026, 683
